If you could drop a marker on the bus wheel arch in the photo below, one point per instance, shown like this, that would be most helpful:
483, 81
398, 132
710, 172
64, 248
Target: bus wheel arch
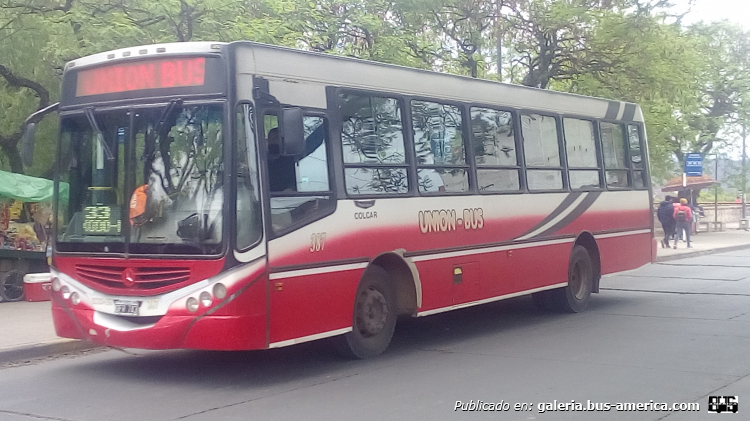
404, 277
586, 239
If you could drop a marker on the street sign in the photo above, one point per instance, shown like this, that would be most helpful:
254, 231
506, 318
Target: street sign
693, 165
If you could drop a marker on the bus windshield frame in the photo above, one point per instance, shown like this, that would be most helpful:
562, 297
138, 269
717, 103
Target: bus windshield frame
146, 180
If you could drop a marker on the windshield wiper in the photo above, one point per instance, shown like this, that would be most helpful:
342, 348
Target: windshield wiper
166, 114
159, 132
89, 111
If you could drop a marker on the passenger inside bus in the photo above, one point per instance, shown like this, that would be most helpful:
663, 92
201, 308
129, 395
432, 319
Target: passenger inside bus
281, 169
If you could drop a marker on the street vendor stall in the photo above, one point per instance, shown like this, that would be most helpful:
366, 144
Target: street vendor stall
25, 221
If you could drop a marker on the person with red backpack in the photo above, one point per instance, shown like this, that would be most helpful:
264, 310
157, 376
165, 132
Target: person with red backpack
683, 216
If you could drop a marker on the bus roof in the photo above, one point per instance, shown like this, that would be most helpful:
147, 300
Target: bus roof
286, 64
146, 51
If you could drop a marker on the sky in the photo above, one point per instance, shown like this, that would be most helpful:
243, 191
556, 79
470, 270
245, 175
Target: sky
736, 11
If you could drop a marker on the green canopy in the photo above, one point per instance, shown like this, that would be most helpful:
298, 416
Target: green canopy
29, 189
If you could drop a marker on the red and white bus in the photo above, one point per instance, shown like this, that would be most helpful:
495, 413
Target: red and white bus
244, 196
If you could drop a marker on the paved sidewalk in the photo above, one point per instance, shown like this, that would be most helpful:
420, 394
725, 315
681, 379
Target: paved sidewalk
26, 330
705, 243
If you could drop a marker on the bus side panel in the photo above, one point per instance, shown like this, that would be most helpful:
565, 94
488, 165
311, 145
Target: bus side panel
624, 252
312, 304
489, 275
436, 277
541, 266
497, 274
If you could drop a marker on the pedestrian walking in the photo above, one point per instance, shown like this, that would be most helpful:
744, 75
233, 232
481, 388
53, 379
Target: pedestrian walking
665, 213
683, 217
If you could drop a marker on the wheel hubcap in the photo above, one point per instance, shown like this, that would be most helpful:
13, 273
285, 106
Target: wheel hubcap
372, 312
578, 280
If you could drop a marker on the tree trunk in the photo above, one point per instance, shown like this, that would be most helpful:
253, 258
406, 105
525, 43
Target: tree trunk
14, 158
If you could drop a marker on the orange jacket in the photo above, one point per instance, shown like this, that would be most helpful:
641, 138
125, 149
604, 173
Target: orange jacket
138, 203
683, 208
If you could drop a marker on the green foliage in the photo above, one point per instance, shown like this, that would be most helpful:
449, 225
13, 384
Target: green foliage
719, 193
691, 82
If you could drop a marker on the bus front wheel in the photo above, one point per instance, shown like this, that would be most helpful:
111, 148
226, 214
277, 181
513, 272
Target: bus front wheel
374, 317
575, 296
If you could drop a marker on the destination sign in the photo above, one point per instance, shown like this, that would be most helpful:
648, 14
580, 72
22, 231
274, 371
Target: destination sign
142, 75
102, 220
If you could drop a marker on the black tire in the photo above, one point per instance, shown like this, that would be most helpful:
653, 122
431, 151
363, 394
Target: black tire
11, 286
374, 318
575, 296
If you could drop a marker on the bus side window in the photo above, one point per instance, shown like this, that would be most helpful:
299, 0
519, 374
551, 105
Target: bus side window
439, 147
372, 137
306, 191
580, 146
281, 168
636, 157
312, 170
494, 147
542, 152
615, 155
248, 210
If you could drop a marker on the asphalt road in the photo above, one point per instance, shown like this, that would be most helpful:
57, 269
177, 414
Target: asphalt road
675, 332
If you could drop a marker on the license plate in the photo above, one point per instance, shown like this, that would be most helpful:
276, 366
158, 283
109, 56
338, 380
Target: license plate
127, 308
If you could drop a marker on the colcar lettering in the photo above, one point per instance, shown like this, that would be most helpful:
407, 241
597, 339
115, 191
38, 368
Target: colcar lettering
365, 215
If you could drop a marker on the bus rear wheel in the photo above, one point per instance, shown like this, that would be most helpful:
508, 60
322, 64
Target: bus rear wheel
374, 317
574, 297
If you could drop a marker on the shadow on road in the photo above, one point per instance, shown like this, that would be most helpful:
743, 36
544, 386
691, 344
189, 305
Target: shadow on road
316, 360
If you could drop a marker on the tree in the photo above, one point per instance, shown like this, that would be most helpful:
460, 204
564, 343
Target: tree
724, 85
658, 68
453, 35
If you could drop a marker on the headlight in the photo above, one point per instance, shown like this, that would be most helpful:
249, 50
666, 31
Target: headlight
192, 305
56, 284
65, 292
220, 291
75, 299
205, 298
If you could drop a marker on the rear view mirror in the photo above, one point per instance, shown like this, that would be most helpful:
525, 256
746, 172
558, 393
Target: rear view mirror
27, 144
293, 132
27, 141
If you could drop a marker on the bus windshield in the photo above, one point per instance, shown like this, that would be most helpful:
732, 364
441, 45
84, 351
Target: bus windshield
142, 180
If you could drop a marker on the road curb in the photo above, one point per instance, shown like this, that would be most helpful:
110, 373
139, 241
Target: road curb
702, 253
41, 350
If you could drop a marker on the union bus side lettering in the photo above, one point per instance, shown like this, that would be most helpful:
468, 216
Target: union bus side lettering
473, 219
437, 221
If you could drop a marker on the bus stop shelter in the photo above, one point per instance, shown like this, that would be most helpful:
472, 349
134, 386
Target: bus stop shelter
692, 184
690, 190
